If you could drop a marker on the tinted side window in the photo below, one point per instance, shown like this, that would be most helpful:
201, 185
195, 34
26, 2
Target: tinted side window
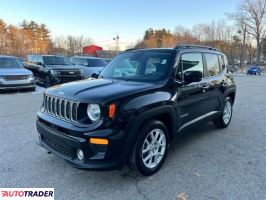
190, 62
213, 66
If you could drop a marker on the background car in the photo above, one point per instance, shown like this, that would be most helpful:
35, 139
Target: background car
14, 76
107, 60
254, 70
52, 70
89, 65
233, 68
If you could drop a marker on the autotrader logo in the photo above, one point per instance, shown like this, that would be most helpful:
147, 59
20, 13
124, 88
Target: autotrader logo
27, 193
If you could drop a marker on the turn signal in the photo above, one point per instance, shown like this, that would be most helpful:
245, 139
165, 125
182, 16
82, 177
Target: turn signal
111, 113
99, 141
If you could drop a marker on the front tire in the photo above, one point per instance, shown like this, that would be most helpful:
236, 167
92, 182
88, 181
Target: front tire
224, 120
151, 148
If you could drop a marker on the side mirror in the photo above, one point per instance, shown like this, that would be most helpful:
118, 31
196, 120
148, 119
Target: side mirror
192, 76
94, 75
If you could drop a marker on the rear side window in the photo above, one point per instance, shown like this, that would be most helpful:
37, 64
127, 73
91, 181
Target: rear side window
189, 62
212, 62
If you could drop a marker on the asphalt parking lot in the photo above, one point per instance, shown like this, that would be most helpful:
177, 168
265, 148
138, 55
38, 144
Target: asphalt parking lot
205, 163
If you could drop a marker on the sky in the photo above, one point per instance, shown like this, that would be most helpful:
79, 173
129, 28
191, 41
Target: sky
101, 20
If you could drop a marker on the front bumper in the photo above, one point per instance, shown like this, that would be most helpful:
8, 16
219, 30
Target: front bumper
18, 85
64, 79
64, 144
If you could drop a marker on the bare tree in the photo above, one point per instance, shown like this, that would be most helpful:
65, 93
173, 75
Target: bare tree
70, 45
252, 15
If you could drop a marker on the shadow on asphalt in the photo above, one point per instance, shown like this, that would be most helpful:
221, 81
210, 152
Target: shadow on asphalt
191, 134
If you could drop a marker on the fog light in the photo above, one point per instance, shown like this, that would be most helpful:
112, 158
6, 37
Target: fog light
80, 154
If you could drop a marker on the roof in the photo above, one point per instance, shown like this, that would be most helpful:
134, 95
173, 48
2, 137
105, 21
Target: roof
45, 55
180, 47
88, 57
189, 46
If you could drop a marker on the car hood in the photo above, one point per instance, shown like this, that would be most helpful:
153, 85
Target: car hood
14, 71
99, 90
62, 67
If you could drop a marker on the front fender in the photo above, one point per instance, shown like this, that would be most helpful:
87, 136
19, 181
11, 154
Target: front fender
136, 122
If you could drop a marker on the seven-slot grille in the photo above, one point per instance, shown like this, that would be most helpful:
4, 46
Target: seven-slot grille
15, 77
61, 108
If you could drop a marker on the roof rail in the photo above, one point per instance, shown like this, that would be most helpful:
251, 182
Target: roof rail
181, 46
132, 49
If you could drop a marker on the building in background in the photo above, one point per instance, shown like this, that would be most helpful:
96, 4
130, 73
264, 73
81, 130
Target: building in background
98, 51
92, 50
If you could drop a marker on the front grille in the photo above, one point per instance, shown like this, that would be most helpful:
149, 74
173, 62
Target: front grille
15, 77
61, 108
68, 73
66, 151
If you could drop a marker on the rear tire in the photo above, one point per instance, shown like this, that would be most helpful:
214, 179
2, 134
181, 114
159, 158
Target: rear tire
151, 148
224, 120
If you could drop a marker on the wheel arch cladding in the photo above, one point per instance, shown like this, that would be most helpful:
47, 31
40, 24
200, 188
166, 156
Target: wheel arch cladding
166, 115
232, 96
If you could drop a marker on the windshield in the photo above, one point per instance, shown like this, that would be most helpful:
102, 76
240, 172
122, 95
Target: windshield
9, 63
55, 60
91, 62
139, 66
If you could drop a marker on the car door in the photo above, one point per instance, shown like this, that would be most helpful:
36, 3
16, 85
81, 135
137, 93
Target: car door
215, 74
191, 98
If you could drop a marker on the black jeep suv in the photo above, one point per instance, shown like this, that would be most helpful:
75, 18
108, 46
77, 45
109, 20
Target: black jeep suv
134, 108
51, 70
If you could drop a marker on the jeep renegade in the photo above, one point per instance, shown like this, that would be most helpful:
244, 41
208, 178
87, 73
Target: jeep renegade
131, 111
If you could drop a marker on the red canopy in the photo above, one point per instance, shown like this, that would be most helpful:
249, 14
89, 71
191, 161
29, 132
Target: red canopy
92, 50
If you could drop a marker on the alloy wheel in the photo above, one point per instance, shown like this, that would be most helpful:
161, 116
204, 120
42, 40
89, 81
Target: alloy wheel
153, 148
227, 112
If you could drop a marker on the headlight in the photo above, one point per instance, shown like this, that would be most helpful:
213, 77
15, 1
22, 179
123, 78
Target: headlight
30, 76
1, 77
94, 112
54, 72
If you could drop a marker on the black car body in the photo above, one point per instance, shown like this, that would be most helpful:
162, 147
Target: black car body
174, 90
13, 76
52, 70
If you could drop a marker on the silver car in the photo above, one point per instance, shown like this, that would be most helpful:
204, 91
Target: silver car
89, 65
14, 76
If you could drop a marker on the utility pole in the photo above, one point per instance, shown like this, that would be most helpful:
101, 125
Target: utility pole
116, 43
242, 56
